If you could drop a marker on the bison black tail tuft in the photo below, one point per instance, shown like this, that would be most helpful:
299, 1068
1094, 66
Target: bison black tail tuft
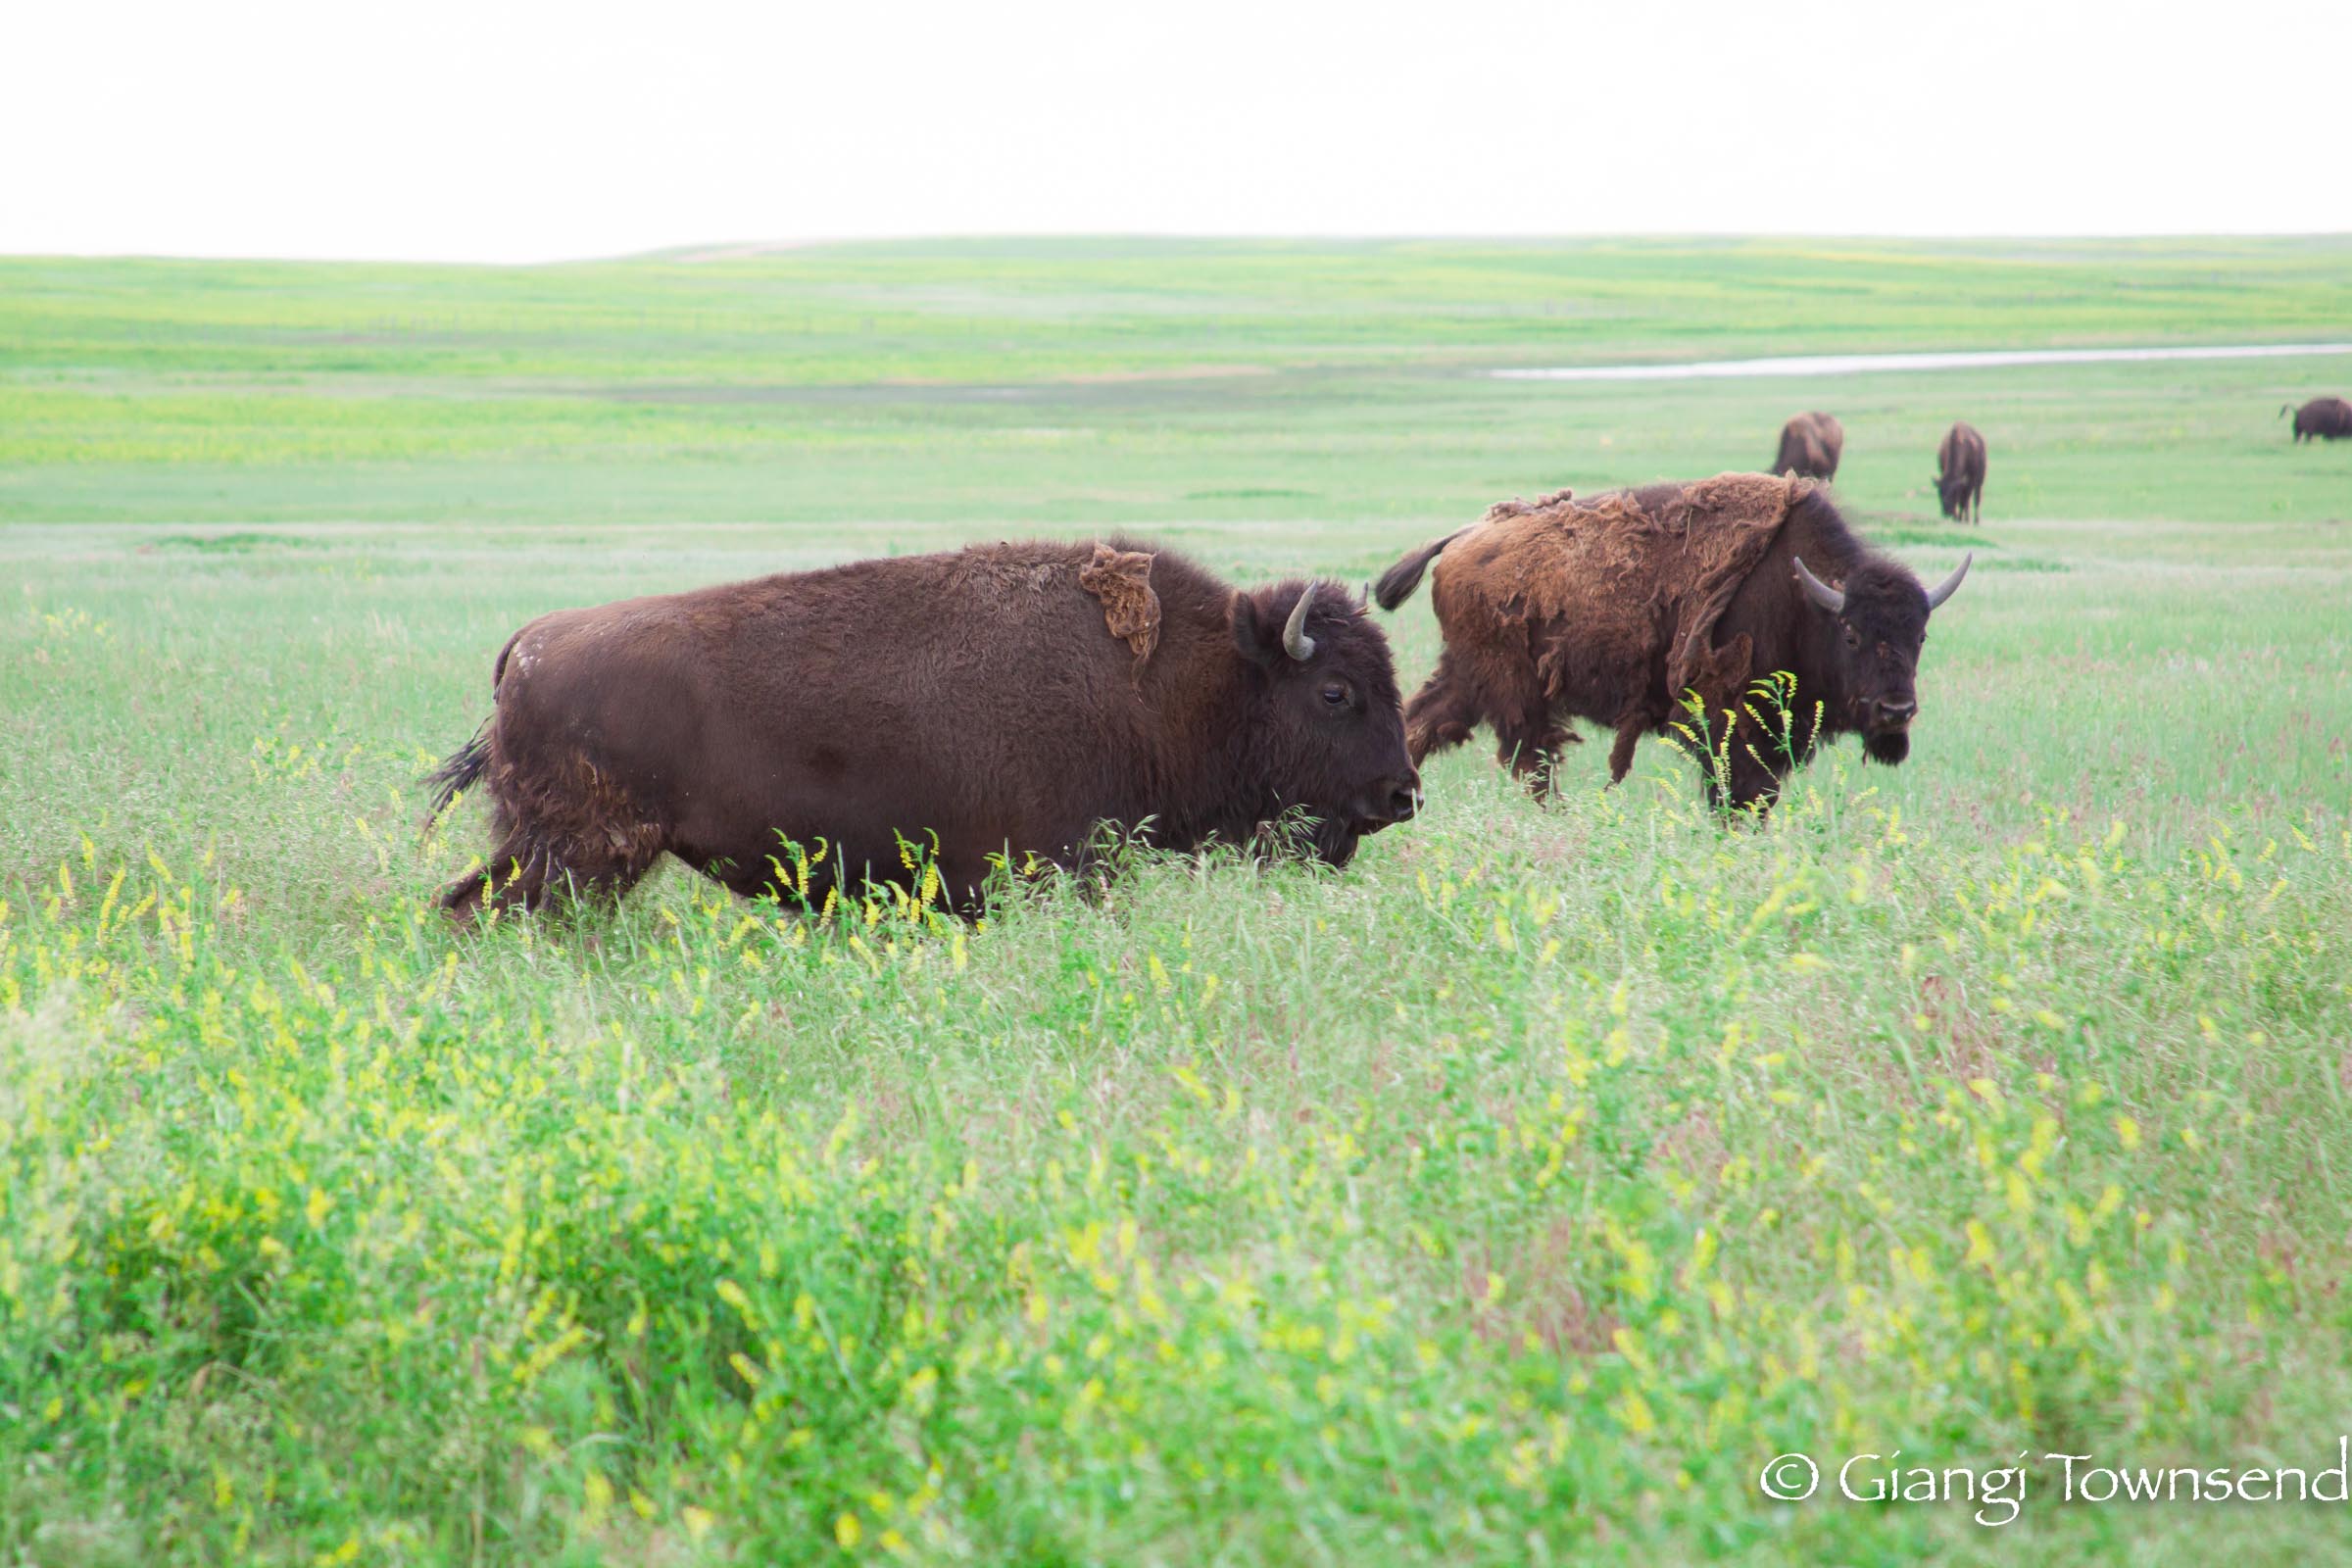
464, 767
1396, 584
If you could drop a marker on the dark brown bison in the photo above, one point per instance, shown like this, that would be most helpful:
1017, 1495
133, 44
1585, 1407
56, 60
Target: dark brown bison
1005, 700
2328, 419
1810, 445
1610, 610
1960, 479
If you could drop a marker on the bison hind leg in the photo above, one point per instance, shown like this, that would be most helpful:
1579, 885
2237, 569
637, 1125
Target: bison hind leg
463, 900
1442, 715
1533, 754
519, 874
1529, 736
1621, 753
513, 877
531, 872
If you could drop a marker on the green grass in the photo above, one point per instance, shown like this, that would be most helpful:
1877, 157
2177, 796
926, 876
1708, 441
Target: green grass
1147, 382
1512, 1196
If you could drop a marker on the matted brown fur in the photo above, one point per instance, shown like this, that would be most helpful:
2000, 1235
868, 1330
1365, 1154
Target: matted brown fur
1642, 577
1122, 580
1612, 610
1002, 701
1646, 573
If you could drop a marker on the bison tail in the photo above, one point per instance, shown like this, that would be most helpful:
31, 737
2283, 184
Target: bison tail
462, 770
1396, 584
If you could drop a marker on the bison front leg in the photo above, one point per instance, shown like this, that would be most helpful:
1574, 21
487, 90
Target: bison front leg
1754, 784
1745, 788
1757, 761
1733, 761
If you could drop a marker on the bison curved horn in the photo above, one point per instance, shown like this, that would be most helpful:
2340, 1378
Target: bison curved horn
1295, 640
1821, 593
1950, 585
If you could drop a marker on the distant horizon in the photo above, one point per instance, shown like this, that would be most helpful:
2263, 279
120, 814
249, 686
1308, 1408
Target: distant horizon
702, 250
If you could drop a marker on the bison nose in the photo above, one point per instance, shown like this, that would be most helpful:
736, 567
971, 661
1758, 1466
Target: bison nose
1404, 801
1897, 709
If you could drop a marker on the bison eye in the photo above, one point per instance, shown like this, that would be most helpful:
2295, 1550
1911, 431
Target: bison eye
1854, 638
1335, 695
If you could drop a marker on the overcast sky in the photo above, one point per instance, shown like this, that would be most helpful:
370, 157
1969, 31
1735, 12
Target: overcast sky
488, 132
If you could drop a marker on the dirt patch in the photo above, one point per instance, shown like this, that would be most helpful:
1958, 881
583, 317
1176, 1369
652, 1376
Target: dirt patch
1172, 373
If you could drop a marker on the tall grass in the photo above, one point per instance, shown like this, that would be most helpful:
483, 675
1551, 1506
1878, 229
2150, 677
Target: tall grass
1516, 1201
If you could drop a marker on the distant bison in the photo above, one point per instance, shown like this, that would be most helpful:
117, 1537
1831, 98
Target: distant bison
1610, 610
2328, 417
1960, 481
1012, 698
1810, 445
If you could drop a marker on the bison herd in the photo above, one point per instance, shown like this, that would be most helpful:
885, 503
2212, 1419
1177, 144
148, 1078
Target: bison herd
923, 720
1812, 443
926, 721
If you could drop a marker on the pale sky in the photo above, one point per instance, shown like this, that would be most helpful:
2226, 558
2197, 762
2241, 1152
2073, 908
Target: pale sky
538, 131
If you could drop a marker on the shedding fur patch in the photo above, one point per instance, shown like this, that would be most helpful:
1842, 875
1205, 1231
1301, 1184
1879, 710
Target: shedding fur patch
1636, 582
1122, 580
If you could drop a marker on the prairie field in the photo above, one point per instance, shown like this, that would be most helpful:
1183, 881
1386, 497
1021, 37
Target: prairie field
1513, 1195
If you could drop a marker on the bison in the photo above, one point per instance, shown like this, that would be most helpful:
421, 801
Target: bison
941, 710
1960, 481
1610, 610
1810, 445
2322, 417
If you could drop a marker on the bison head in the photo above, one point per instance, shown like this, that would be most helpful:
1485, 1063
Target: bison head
1328, 733
1951, 493
1873, 628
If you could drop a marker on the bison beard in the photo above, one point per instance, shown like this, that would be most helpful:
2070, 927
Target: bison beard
990, 703
1889, 749
1612, 610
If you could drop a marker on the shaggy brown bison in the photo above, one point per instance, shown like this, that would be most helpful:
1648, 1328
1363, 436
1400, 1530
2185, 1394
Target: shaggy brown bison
1610, 610
1960, 479
1004, 700
2328, 419
1810, 445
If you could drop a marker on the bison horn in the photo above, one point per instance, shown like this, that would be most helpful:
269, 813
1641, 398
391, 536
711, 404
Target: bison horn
1950, 585
1821, 593
1295, 640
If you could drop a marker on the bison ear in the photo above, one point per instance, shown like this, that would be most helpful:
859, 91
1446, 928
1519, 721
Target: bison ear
1256, 638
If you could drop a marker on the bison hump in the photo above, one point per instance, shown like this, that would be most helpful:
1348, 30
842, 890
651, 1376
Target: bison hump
1122, 580
1640, 579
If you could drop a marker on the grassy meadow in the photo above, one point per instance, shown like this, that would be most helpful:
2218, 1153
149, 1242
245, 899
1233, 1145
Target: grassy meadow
1512, 1196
